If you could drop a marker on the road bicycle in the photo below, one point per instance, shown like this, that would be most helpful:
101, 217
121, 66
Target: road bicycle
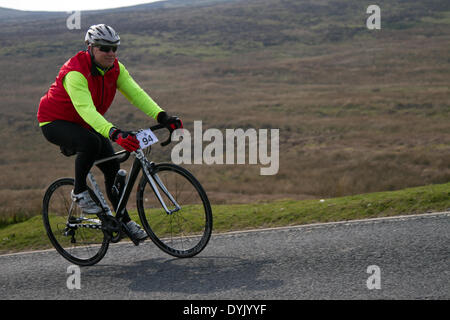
172, 206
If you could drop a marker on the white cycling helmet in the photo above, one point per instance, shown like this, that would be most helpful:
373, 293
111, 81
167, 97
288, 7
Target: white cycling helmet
102, 35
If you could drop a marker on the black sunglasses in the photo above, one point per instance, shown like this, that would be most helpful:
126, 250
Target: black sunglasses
107, 48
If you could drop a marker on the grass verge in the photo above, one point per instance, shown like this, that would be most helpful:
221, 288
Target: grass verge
30, 234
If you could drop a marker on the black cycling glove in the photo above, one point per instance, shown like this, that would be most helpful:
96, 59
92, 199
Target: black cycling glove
170, 122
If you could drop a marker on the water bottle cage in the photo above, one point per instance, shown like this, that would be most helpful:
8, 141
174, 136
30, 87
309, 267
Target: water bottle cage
119, 183
116, 191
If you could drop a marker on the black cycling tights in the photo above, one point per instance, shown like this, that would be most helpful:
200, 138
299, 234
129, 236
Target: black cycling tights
89, 146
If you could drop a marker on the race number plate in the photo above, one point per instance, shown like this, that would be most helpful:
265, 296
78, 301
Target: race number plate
146, 138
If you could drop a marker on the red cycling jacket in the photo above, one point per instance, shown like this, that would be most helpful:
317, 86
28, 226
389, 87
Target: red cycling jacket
56, 103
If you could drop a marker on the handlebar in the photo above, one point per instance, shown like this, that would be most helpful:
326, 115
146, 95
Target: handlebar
125, 154
160, 126
122, 156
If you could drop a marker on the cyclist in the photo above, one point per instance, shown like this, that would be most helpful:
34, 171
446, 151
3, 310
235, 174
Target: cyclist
71, 113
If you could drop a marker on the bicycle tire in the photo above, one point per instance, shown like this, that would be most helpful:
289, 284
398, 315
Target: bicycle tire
184, 233
57, 205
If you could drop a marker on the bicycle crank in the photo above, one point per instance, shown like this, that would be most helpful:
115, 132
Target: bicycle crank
110, 225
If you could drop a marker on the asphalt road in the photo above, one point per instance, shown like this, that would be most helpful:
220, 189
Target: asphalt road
398, 258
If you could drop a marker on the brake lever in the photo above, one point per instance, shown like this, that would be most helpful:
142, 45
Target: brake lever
169, 140
160, 126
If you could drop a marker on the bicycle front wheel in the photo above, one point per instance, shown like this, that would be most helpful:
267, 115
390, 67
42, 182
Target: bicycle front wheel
76, 237
185, 231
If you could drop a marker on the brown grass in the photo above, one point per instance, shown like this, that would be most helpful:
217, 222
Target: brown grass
367, 114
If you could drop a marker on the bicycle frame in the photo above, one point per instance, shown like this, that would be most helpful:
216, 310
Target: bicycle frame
140, 161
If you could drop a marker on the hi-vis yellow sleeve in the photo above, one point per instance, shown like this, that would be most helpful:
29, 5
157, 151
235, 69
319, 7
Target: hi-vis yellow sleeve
76, 86
135, 94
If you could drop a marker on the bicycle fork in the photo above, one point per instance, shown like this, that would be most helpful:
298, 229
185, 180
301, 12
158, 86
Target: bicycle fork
156, 182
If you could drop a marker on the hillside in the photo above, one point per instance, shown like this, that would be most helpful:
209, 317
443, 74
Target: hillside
358, 110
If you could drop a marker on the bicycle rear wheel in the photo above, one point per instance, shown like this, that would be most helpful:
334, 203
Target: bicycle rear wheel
77, 237
183, 233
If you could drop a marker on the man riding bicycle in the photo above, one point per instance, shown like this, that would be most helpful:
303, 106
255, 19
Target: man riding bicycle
71, 113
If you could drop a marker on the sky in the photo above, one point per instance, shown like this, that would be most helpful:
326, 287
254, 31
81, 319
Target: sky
46, 5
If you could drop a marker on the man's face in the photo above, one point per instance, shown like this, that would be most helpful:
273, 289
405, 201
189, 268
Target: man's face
104, 55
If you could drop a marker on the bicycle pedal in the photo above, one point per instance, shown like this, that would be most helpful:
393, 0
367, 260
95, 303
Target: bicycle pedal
135, 240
